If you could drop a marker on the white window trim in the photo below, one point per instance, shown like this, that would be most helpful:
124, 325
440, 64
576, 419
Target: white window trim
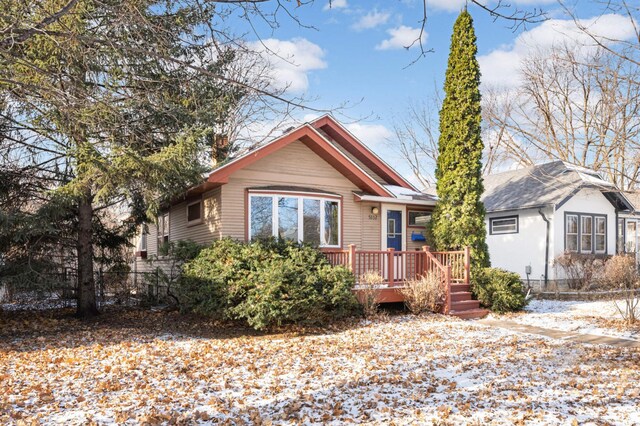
196, 221
301, 198
492, 230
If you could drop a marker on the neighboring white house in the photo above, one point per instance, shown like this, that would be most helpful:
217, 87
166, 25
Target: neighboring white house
538, 213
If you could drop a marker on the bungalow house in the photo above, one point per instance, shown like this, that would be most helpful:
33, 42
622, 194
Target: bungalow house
316, 184
538, 213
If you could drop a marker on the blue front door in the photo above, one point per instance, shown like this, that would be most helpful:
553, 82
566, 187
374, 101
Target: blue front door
394, 229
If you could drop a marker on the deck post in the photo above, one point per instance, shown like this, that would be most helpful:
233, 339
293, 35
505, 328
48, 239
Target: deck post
447, 283
390, 268
467, 264
352, 258
425, 264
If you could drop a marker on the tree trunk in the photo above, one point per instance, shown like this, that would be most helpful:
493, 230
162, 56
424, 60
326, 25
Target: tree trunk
86, 281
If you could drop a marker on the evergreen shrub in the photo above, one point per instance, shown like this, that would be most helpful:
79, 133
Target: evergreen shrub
498, 290
266, 283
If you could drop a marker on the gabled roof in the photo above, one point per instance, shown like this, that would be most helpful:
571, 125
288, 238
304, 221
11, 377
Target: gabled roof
549, 184
325, 149
350, 145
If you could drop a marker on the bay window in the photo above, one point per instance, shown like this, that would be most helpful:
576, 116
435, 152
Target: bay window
308, 219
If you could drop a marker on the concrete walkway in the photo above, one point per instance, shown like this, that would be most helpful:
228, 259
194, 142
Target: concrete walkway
562, 335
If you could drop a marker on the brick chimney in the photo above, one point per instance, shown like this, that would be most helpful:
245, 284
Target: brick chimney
219, 149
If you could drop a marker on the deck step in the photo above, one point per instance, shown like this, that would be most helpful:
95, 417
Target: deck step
465, 305
457, 288
460, 296
470, 313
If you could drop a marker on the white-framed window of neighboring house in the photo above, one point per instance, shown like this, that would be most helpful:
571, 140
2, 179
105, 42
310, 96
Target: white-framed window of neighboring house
315, 220
163, 229
585, 233
194, 212
503, 225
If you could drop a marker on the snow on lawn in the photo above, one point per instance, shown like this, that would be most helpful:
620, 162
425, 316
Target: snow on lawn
599, 318
143, 367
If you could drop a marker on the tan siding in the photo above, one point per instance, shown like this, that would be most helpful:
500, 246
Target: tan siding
152, 239
371, 226
202, 233
293, 165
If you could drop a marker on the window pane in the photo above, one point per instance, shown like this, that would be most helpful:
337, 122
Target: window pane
193, 212
572, 243
620, 239
504, 226
631, 237
143, 241
311, 222
587, 225
288, 218
586, 230
601, 225
600, 243
413, 215
261, 217
330, 237
572, 224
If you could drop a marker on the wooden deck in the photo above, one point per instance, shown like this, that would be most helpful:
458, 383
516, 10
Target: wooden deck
397, 267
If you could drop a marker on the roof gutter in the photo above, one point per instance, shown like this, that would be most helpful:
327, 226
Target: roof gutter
391, 200
546, 248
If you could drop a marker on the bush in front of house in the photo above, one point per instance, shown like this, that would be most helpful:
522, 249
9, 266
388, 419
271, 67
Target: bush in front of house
621, 275
581, 271
425, 294
266, 283
498, 290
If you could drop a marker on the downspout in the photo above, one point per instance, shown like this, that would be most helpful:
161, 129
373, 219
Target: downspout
546, 248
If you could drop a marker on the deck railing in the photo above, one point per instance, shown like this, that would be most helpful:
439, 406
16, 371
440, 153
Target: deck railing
397, 267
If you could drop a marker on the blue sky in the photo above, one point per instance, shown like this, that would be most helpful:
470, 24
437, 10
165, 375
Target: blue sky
355, 55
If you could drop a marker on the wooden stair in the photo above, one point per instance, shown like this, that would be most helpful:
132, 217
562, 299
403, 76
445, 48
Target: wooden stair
463, 305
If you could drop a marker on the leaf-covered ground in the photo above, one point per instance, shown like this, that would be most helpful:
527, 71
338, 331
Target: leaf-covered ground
137, 367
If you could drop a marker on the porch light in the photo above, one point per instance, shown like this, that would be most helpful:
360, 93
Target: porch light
375, 210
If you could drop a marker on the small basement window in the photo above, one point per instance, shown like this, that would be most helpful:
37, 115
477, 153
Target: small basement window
503, 225
194, 212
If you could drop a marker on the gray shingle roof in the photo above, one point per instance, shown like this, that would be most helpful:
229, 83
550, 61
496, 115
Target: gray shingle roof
537, 186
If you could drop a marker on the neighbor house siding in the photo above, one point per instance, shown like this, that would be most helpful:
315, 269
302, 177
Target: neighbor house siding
514, 252
295, 165
586, 201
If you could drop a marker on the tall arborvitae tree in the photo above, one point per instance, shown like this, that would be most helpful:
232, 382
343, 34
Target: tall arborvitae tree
458, 219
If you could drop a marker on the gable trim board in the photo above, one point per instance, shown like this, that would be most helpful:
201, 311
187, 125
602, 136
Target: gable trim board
347, 140
318, 144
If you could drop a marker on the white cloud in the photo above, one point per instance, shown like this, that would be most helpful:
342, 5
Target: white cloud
372, 135
401, 37
291, 61
500, 67
446, 5
371, 20
335, 4
457, 5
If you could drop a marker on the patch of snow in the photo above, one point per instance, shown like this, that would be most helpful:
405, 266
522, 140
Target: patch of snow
576, 316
